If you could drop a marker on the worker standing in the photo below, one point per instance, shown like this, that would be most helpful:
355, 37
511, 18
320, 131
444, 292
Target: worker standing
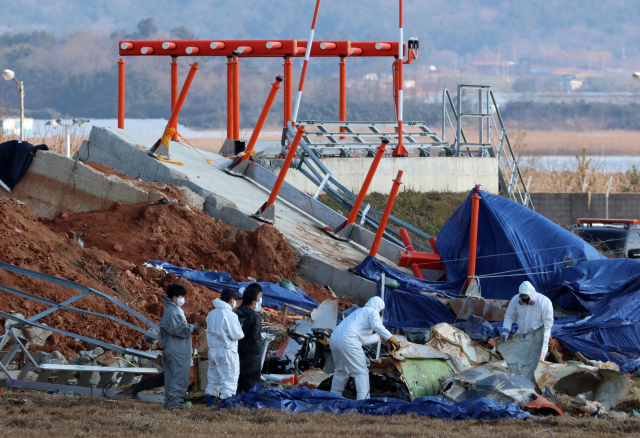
223, 333
175, 335
250, 345
531, 310
346, 346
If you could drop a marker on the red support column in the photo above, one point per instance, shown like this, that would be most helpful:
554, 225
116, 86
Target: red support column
230, 128
263, 116
395, 85
343, 92
473, 238
121, 73
173, 120
288, 89
385, 215
236, 98
174, 89
285, 167
406, 240
367, 182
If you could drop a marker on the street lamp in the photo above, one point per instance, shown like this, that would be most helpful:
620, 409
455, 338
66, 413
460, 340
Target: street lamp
67, 137
8, 75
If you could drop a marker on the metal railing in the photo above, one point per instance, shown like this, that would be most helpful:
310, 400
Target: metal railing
493, 139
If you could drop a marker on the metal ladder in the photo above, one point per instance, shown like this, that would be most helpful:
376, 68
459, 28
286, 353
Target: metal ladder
493, 140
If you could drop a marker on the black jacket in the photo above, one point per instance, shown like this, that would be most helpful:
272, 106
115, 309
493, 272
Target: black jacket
15, 159
251, 327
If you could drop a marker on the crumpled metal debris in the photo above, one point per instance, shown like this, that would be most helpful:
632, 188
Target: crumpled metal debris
542, 406
522, 353
312, 378
608, 387
458, 345
489, 380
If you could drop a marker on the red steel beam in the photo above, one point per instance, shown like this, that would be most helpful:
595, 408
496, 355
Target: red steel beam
263, 116
259, 48
236, 98
121, 89
288, 89
385, 214
174, 89
230, 98
473, 236
408, 246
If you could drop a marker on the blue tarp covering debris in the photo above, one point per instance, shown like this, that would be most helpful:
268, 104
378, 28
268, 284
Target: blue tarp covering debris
273, 295
302, 399
517, 244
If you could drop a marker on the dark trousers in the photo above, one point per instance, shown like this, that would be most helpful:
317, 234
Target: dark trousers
249, 371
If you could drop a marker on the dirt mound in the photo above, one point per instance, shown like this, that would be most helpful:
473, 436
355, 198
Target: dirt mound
170, 190
116, 243
321, 293
183, 237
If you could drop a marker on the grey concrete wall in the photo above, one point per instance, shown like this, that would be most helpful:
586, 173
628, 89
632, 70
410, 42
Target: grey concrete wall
55, 183
422, 174
565, 208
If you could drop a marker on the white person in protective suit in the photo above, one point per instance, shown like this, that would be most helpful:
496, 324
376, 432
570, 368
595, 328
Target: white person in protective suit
531, 310
346, 346
223, 333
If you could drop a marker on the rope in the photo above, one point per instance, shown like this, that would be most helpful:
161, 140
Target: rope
166, 137
524, 252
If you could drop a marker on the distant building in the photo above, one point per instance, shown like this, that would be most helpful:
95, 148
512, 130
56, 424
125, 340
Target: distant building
11, 126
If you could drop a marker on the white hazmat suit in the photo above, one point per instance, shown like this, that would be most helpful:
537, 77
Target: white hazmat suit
346, 346
223, 333
530, 316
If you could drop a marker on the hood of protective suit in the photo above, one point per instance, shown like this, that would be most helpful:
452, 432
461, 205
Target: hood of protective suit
219, 304
376, 304
528, 289
168, 301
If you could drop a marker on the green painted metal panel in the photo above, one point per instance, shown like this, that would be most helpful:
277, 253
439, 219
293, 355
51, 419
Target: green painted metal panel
421, 375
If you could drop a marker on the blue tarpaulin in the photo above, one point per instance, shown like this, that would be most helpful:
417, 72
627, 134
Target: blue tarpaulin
517, 244
273, 295
302, 399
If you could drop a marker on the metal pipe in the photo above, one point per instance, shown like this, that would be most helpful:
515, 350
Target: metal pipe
385, 215
383, 46
21, 89
236, 98
473, 237
343, 92
607, 197
67, 141
263, 116
192, 50
285, 167
168, 45
244, 50
174, 88
367, 182
321, 186
173, 120
229, 98
406, 240
400, 149
383, 287
288, 89
274, 45
307, 54
147, 50
328, 46
121, 73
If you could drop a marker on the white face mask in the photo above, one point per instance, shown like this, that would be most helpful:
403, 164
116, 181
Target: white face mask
180, 301
259, 305
233, 304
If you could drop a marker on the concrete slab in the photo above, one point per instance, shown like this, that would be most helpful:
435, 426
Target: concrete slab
232, 199
55, 183
422, 174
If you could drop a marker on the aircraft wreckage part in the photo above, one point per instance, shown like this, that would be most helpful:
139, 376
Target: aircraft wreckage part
542, 406
491, 310
522, 355
491, 381
457, 345
608, 387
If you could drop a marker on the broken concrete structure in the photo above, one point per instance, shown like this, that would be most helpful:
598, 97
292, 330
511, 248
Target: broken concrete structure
324, 260
422, 174
55, 183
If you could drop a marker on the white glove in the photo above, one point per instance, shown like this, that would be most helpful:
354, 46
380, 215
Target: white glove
267, 337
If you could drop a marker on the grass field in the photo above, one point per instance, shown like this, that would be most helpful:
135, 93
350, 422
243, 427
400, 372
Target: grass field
37, 415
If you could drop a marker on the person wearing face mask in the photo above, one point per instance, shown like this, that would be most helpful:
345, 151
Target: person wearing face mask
223, 333
531, 310
249, 347
175, 336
